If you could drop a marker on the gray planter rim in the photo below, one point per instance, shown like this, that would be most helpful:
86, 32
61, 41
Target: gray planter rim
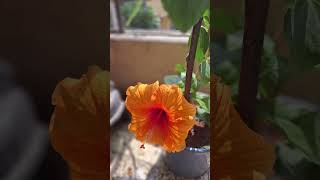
198, 150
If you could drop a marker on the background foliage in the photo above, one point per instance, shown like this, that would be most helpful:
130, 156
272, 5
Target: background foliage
139, 15
299, 150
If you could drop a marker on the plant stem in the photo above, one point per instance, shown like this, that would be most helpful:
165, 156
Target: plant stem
255, 21
190, 58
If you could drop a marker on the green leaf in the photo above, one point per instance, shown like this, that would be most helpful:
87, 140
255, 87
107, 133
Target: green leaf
203, 108
289, 156
206, 20
179, 68
317, 66
194, 81
206, 14
287, 112
204, 70
136, 9
172, 79
137, 15
295, 135
203, 45
203, 105
302, 25
223, 22
269, 77
268, 46
306, 121
185, 13
234, 40
194, 84
228, 71
203, 115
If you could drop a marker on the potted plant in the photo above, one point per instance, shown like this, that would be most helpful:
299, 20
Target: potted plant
193, 159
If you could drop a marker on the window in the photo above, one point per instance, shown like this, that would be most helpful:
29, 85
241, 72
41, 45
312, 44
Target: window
141, 17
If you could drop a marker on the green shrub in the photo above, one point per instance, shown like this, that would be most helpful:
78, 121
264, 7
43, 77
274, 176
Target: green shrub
142, 16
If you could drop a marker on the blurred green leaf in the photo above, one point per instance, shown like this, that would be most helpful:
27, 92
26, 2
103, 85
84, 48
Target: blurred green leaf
136, 9
203, 45
223, 22
307, 121
305, 124
203, 108
172, 79
268, 46
269, 77
206, 14
295, 135
203, 115
202, 105
185, 13
204, 70
179, 68
138, 17
194, 83
206, 20
302, 24
287, 112
302, 27
291, 157
234, 40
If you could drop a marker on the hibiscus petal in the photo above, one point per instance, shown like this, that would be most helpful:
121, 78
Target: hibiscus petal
139, 97
78, 126
160, 115
238, 152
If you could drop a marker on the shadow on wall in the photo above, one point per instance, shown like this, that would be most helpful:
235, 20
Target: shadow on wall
44, 41
47, 41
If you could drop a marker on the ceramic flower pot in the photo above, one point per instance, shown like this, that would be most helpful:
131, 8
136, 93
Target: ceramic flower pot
116, 104
190, 163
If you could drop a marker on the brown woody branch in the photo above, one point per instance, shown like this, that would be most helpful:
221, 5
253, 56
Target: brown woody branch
191, 57
255, 21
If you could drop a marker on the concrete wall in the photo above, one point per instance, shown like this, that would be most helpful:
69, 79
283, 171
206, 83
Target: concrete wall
143, 58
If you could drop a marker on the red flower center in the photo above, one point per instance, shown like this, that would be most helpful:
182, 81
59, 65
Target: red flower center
159, 117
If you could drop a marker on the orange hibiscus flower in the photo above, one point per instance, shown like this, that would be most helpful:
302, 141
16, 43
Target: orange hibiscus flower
78, 128
160, 115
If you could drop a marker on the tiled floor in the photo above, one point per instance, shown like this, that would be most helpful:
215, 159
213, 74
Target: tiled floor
129, 161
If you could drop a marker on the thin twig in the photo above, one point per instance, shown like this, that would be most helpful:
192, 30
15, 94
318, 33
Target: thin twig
117, 3
190, 58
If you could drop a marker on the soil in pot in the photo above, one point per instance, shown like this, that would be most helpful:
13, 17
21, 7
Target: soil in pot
193, 162
199, 135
